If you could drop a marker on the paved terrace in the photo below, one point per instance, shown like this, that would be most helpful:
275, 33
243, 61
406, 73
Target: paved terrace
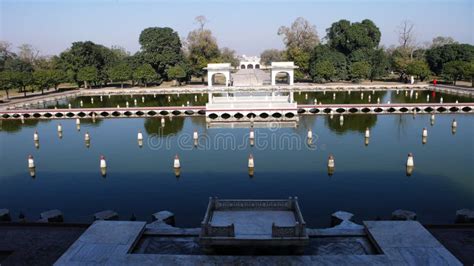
397, 242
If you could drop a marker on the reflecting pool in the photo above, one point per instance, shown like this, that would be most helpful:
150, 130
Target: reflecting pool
367, 96
369, 180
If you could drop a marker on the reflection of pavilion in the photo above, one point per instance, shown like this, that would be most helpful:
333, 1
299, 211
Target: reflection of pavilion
258, 122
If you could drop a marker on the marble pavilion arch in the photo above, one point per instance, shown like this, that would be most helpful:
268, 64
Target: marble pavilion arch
287, 68
215, 69
276, 68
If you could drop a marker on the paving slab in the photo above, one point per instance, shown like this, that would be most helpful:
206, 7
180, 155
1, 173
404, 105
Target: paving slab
408, 242
102, 241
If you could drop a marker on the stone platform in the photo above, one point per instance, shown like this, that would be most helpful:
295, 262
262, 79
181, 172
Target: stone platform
398, 243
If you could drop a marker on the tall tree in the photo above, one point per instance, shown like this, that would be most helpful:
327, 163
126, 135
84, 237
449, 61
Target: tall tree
407, 39
300, 39
161, 48
202, 49
301, 34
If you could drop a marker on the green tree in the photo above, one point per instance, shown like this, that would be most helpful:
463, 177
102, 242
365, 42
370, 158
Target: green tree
160, 48
347, 37
43, 79
324, 71
21, 80
325, 53
419, 69
456, 70
178, 73
86, 54
360, 71
145, 74
271, 55
438, 56
470, 73
120, 72
6, 81
57, 77
88, 75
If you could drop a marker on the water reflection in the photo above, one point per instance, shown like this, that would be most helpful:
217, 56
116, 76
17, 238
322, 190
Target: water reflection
356, 122
390, 96
126, 101
161, 127
365, 174
12, 126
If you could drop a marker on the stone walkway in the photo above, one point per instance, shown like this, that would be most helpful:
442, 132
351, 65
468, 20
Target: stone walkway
251, 77
398, 242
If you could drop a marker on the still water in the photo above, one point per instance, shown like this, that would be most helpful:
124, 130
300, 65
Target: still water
403, 96
369, 181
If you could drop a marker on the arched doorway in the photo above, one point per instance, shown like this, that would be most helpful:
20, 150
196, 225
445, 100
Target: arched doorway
242, 66
282, 78
249, 66
219, 79
257, 66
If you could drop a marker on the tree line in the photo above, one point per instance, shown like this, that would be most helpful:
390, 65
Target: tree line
163, 56
349, 51
352, 51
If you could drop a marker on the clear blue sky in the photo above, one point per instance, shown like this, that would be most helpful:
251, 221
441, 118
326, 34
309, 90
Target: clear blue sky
246, 26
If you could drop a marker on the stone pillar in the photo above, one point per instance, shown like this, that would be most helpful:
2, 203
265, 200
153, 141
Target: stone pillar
291, 77
292, 96
209, 96
209, 78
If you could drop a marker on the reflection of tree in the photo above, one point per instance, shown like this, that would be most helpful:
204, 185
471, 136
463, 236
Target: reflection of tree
153, 126
356, 123
121, 100
341, 97
16, 125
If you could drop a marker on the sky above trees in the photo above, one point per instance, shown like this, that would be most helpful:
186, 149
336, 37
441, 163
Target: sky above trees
247, 26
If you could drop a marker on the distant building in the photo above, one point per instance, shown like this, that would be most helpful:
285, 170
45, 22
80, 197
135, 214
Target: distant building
249, 62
